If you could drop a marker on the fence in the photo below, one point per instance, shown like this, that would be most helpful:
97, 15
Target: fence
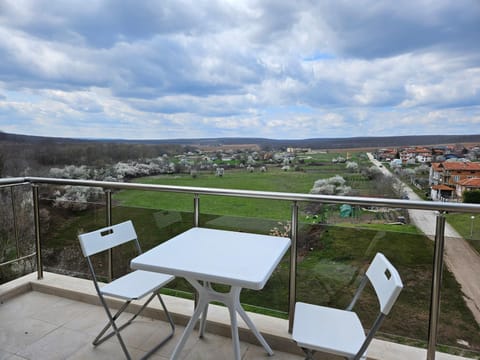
294, 198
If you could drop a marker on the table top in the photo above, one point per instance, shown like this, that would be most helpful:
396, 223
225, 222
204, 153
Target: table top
218, 256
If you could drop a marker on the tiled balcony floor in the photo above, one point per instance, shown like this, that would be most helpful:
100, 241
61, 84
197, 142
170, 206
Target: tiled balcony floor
57, 318
35, 325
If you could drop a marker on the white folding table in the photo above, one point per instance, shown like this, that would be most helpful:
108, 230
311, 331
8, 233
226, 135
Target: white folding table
205, 256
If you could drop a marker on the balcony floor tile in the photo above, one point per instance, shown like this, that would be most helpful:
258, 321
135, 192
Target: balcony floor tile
39, 320
40, 326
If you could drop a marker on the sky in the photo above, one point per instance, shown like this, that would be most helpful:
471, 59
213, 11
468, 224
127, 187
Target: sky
278, 69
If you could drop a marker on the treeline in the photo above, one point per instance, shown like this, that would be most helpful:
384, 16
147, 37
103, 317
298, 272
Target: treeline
36, 158
98, 153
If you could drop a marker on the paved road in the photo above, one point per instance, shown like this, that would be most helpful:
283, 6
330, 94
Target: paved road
461, 259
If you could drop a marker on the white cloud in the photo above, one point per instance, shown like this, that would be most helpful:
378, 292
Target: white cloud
165, 69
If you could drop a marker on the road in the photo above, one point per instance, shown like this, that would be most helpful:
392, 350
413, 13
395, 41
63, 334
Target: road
460, 258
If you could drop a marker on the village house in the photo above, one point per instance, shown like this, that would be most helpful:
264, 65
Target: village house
423, 155
435, 176
467, 185
407, 154
415, 155
386, 154
445, 176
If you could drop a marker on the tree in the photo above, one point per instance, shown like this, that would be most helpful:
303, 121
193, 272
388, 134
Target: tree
422, 169
331, 186
410, 173
372, 172
472, 196
77, 198
352, 166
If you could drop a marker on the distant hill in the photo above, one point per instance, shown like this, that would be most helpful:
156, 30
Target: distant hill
314, 143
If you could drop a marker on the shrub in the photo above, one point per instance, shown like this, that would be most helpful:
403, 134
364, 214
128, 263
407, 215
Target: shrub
472, 196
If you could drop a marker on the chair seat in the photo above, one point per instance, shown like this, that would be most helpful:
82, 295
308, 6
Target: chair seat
136, 285
327, 329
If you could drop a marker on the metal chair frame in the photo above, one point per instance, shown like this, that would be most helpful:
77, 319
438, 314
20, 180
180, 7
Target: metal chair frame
143, 282
387, 285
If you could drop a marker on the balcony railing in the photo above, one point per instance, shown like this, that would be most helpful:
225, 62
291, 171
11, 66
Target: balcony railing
294, 198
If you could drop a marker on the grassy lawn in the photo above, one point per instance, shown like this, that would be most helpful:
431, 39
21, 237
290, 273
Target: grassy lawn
273, 180
463, 224
405, 229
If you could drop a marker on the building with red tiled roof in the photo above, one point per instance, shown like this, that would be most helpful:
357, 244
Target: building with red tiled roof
451, 173
456, 171
435, 176
441, 192
467, 185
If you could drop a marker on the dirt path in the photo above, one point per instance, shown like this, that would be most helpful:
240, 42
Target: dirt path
460, 258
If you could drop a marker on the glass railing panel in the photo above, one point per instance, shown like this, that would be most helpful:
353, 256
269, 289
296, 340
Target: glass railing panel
157, 220
260, 216
17, 244
155, 226
273, 298
459, 331
62, 218
335, 249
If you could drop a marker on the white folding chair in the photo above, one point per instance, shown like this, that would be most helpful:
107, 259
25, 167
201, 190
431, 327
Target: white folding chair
132, 286
340, 332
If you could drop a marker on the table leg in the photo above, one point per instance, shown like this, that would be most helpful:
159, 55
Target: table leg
206, 294
234, 328
203, 321
201, 305
252, 327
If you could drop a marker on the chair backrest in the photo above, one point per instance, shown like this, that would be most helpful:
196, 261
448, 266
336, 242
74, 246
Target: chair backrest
386, 281
107, 238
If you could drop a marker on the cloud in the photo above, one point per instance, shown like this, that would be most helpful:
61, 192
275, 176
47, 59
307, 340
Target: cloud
370, 29
228, 68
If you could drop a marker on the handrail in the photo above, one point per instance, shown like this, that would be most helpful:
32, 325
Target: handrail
18, 259
330, 199
12, 181
441, 207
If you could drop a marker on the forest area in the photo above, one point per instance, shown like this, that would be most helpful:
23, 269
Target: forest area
36, 158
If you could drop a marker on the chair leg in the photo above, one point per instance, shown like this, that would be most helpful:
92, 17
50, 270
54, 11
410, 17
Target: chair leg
308, 353
116, 329
99, 339
167, 313
169, 336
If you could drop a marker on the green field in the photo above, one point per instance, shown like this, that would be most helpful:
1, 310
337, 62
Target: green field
273, 180
467, 227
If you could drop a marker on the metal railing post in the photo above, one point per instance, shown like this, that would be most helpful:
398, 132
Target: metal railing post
36, 220
108, 220
196, 210
196, 219
436, 286
293, 267
14, 218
